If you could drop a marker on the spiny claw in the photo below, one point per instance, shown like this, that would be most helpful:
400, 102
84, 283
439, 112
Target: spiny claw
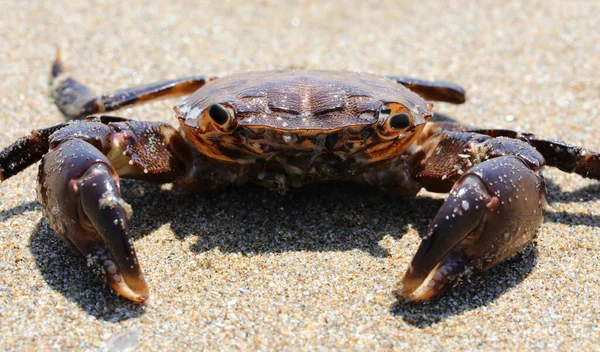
80, 197
492, 213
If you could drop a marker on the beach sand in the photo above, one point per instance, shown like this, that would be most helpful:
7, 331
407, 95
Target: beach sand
248, 269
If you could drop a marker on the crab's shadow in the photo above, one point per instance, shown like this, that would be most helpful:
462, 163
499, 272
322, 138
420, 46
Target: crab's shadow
251, 220
316, 218
584, 194
20, 209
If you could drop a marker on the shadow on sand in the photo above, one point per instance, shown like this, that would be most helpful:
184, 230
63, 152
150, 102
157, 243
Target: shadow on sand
252, 220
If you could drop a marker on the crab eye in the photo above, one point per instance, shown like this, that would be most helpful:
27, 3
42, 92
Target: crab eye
400, 121
218, 114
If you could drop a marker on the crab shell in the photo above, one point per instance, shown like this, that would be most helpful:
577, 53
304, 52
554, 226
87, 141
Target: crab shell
299, 112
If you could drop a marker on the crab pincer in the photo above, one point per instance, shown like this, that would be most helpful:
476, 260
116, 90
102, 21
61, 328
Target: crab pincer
83, 204
491, 214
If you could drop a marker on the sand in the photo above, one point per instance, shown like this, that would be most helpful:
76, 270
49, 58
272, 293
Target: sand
247, 269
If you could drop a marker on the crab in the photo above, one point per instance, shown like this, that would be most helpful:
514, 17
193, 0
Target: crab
282, 130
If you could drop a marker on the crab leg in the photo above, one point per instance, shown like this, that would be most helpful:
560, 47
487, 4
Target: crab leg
77, 101
433, 90
496, 199
79, 186
566, 157
80, 195
26, 151
492, 212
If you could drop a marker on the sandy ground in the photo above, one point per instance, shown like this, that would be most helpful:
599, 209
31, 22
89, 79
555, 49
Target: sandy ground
248, 269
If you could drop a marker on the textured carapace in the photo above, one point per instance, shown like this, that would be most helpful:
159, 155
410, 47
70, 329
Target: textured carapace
302, 111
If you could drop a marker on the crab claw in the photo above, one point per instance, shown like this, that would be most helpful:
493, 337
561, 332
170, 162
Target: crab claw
493, 211
80, 197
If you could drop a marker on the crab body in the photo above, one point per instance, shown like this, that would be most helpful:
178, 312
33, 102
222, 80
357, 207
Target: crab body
298, 127
282, 130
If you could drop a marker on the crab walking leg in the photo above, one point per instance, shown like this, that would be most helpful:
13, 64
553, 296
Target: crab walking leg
433, 90
493, 211
26, 151
566, 157
77, 101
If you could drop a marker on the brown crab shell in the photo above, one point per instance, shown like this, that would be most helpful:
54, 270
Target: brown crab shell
302, 104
